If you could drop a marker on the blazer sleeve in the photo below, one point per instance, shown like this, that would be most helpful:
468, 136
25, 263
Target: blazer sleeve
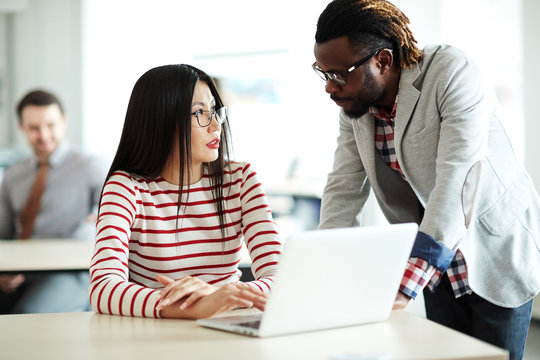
465, 108
347, 187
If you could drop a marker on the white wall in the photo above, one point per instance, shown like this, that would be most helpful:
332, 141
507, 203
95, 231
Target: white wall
531, 67
238, 39
46, 45
4, 108
531, 62
44, 50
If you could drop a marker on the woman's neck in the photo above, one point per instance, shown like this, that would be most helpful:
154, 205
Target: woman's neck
171, 173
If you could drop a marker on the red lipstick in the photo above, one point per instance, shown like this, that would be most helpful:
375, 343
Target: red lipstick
214, 144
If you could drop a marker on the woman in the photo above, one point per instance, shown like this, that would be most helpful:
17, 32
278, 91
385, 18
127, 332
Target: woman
158, 254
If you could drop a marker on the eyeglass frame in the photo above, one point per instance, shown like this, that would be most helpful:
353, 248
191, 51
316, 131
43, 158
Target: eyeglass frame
333, 76
214, 115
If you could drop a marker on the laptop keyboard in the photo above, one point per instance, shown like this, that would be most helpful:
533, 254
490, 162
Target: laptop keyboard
250, 324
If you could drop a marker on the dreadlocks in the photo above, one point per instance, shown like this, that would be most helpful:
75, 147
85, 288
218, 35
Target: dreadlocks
370, 23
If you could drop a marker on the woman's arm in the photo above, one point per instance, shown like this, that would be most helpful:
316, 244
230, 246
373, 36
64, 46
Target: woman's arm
259, 230
111, 292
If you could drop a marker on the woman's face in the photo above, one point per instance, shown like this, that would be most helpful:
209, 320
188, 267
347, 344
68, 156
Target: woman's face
204, 140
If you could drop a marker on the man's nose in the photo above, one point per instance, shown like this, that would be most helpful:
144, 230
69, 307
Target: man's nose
331, 87
43, 131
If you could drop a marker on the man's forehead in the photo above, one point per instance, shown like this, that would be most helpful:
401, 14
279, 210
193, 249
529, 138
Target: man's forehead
34, 113
335, 54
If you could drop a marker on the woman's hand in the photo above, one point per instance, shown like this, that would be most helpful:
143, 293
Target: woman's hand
225, 298
189, 286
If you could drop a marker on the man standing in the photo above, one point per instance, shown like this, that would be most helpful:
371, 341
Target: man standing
419, 128
53, 194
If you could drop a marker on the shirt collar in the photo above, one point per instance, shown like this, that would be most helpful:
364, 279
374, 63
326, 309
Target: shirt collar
58, 155
382, 113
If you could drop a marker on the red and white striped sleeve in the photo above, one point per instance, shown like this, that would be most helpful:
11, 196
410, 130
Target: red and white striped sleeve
111, 292
259, 230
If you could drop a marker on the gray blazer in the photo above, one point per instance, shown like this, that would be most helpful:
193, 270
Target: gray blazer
464, 185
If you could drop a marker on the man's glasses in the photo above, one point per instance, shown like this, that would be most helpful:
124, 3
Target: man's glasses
340, 78
204, 117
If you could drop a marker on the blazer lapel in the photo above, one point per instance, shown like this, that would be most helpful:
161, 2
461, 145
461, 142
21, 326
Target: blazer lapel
408, 96
364, 128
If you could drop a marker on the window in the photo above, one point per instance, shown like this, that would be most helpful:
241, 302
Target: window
261, 52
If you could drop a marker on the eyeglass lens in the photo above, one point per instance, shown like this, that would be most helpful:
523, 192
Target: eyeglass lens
336, 78
205, 120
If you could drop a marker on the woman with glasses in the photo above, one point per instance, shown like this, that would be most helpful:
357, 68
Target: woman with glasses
175, 210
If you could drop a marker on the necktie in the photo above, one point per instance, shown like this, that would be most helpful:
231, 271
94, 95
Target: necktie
31, 208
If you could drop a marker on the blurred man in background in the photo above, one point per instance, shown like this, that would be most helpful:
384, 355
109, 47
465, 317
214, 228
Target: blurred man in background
52, 194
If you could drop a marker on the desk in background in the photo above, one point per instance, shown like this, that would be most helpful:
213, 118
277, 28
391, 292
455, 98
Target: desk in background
63, 255
536, 308
91, 336
45, 255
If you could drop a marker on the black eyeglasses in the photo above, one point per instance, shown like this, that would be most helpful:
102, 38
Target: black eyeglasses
340, 78
205, 120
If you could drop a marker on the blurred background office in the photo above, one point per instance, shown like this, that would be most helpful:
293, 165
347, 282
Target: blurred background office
90, 52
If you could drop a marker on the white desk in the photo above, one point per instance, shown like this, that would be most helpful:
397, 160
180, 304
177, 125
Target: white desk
55, 254
45, 255
91, 336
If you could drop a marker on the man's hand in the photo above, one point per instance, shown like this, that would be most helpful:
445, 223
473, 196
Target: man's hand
401, 301
10, 283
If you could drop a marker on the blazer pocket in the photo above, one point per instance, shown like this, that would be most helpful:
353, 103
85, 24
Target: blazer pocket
512, 204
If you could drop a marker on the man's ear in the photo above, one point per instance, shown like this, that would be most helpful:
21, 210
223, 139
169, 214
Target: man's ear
385, 60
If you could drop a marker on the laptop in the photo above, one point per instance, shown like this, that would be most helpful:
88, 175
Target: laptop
330, 278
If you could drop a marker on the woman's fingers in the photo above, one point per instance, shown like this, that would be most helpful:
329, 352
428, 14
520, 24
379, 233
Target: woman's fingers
246, 295
252, 293
163, 280
201, 299
195, 296
228, 297
175, 294
255, 296
171, 284
188, 286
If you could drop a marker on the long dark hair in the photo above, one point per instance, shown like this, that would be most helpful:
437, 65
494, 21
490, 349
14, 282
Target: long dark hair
159, 110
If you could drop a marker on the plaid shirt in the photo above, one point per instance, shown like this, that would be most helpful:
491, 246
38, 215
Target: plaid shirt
418, 272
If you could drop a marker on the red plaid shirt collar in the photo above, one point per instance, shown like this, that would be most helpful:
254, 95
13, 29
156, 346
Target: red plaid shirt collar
383, 114
384, 135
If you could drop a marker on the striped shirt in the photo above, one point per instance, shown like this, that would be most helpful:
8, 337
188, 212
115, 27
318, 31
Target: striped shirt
137, 238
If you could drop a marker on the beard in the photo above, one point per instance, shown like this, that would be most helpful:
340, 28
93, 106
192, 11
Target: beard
370, 94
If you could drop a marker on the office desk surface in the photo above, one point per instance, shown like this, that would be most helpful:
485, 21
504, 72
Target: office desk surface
92, 336
45, 254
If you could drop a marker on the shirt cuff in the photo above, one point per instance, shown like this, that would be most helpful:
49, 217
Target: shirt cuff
427, 248
417, 274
